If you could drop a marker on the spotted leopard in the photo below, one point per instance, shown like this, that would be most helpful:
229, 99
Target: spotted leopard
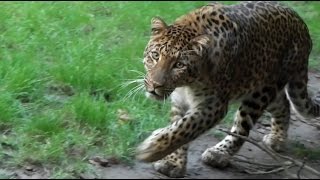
253, 52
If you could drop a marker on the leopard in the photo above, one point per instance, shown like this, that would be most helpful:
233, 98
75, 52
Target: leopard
254, 53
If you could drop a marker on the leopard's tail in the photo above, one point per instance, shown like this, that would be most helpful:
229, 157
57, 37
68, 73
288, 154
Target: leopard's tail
298, 93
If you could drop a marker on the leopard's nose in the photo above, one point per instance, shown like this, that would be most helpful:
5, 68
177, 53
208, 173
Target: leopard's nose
153, 92
150, 89
154, 88
156, 85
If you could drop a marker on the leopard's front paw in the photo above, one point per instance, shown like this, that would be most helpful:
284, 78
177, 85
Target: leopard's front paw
216, 158
170, 168
155, 147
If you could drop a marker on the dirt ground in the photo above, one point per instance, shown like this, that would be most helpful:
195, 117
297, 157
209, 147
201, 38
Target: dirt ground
307, 137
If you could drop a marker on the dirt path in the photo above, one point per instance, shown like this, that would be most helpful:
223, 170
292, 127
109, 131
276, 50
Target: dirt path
305, 135
197, 170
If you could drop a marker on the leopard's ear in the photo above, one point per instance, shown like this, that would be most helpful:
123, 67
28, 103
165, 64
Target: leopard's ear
200, 44
157, 25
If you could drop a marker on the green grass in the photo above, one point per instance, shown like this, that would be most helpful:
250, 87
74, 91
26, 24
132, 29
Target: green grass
300, 150
62, 65
310, 13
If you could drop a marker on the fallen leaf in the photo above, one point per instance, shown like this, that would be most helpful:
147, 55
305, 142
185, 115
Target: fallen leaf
113, 160
99, 161
124, 116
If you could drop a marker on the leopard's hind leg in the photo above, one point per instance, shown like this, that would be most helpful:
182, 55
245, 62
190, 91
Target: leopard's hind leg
280, 113
297, 90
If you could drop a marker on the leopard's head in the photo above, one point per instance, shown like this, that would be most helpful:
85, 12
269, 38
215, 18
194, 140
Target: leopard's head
172, 58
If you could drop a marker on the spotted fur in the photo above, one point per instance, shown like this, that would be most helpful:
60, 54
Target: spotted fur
253, 52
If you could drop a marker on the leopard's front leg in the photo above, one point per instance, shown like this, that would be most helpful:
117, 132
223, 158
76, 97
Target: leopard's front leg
195, 122
175, 164
252, 107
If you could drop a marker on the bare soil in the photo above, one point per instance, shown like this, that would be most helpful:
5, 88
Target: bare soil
302, 138
305, 134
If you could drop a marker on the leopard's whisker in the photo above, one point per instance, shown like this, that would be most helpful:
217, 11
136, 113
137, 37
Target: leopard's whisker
138, 72
131, 81
131, 91
138, 90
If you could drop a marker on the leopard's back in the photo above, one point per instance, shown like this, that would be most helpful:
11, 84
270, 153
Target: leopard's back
260, 43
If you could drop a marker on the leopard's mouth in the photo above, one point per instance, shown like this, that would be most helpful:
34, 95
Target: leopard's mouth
158, 95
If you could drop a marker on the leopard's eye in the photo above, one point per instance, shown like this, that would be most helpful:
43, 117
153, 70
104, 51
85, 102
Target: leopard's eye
149, 61
179, 65
155, 55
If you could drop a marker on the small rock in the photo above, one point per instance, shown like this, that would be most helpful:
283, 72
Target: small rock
195, 173
87, 176
310, 141
261, 130
265, 122
294, 118
29, 168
